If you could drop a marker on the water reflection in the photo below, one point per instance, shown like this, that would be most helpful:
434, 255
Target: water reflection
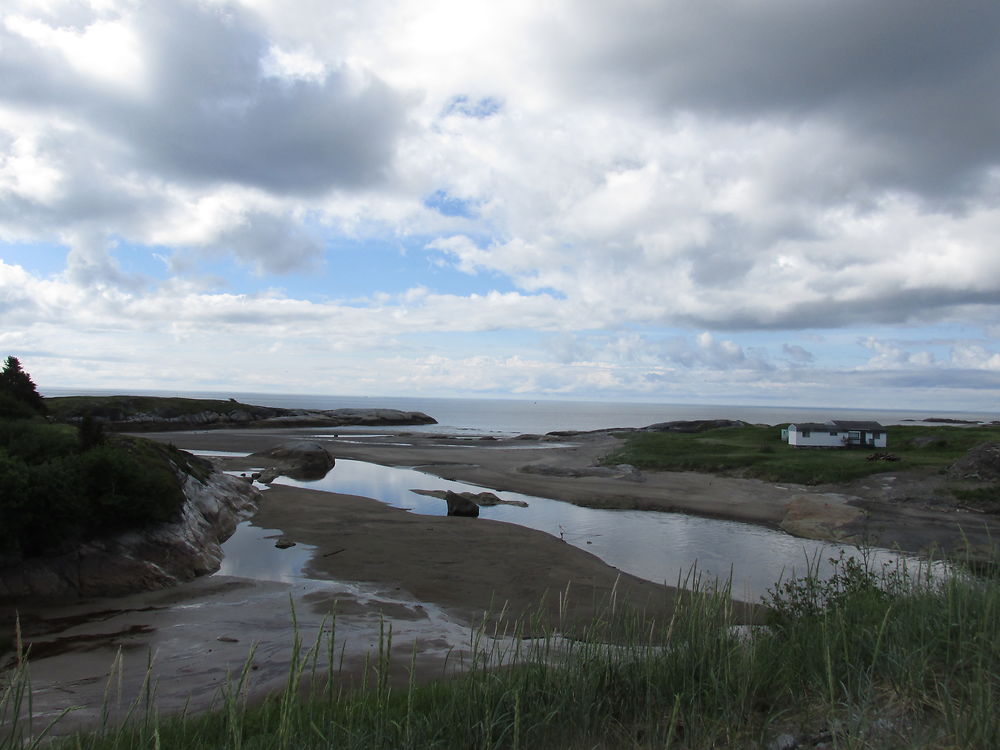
660, 547
250, 553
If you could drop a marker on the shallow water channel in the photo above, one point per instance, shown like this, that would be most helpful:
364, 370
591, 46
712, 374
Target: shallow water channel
661, 547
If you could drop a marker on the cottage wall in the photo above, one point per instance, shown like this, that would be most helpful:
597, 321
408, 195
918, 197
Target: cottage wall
833, 436
819, 438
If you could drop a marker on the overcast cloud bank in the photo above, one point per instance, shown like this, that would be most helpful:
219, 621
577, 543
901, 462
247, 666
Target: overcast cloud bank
754, 202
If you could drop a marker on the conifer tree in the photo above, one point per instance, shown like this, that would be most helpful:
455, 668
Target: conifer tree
18, 386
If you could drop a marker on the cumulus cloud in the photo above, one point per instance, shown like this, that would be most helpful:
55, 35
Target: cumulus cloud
906, 82
664, 193
204, 105
157, 102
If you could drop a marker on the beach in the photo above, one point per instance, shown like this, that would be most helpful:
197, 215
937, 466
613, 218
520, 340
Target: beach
432, 578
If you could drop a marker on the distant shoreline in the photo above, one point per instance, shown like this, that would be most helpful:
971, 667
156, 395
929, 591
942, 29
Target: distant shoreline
500, 417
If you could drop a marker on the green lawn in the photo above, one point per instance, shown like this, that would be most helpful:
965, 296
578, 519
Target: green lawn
759, 452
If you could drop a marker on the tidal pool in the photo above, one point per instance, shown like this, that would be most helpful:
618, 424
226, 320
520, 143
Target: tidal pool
661, 547
250, 553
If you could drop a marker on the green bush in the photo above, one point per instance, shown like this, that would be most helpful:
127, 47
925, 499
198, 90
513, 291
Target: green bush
12, 408
53, 495
36, 441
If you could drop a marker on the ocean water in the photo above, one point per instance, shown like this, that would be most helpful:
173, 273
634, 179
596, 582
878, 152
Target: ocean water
514, 416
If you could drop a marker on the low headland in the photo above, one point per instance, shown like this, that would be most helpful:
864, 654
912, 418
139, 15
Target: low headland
141, 413
561, 650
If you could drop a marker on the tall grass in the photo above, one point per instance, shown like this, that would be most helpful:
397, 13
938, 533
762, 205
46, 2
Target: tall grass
866, 658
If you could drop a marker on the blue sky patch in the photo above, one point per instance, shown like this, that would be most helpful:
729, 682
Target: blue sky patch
479, 109
448, 205
38, 258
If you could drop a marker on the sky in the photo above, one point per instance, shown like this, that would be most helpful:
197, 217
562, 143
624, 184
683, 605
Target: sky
746, 202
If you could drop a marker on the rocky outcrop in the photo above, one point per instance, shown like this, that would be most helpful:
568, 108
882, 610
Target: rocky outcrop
305, 460
981, 464
461, 506
153, 558
482, 499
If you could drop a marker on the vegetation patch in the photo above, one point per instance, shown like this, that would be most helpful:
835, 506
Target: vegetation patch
121, 408
62, 485
759, 451
53, 495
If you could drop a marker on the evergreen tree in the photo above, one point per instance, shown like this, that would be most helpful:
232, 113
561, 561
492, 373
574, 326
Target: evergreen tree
17, 385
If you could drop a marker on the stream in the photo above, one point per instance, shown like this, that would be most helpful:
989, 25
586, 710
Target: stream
660, 547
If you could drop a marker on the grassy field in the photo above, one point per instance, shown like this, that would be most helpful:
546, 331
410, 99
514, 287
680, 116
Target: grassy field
865, 659
759, 452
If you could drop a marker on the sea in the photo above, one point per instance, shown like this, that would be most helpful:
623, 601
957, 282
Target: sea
499, 417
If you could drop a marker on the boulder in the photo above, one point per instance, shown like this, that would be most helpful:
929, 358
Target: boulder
482, 499
461, 506
305, 460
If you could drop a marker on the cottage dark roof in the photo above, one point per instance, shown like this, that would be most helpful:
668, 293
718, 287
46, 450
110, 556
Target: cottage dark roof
842, 425
849, 425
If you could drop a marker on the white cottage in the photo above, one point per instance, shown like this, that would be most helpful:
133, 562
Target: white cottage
836, 433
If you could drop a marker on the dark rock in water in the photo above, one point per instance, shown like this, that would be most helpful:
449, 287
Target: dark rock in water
284, 543
482, 499
694, 425
461, 506
981, 463
304, 460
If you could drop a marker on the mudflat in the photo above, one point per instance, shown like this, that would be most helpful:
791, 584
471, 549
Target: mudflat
869, 511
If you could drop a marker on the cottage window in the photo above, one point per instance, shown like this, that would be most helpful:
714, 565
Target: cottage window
833, 433
805, 433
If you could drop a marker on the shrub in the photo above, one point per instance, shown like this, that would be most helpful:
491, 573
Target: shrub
54, 495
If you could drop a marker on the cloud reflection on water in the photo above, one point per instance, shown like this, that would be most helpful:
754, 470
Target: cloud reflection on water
661, 547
